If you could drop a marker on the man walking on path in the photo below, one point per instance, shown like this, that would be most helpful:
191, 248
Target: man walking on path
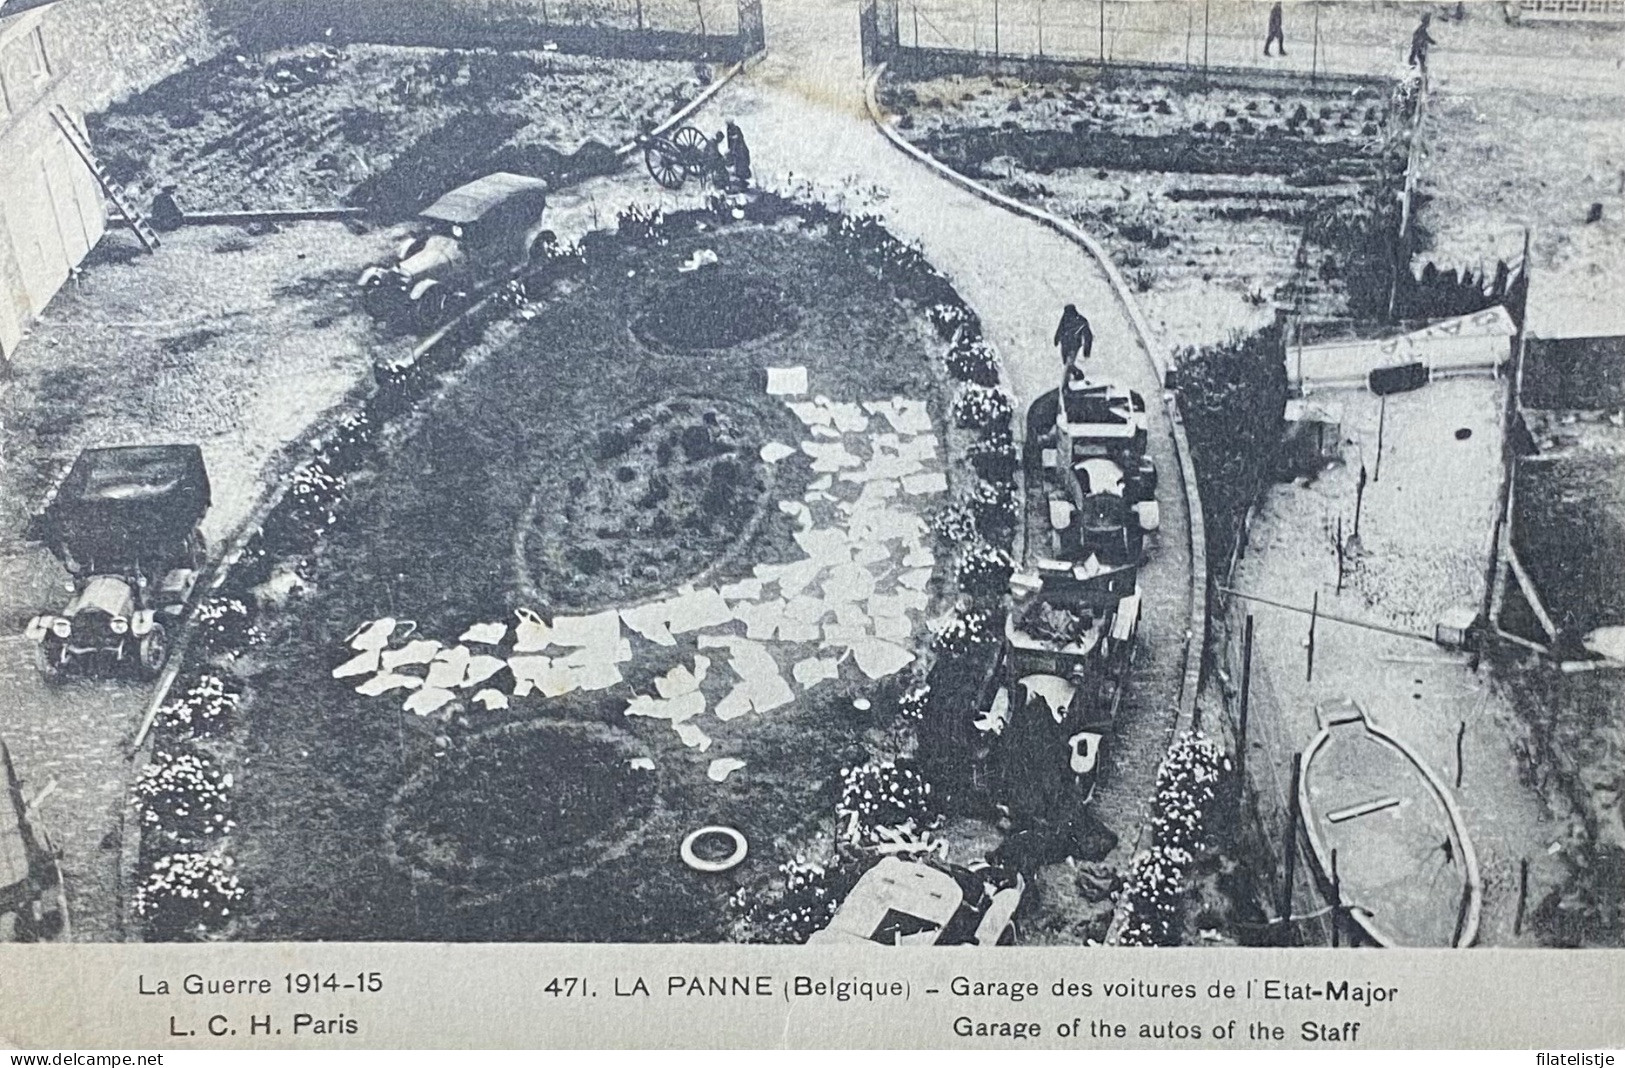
1275, 35
1420, 43
1074, 335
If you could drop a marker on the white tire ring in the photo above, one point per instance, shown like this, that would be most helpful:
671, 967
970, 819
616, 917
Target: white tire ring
732, 860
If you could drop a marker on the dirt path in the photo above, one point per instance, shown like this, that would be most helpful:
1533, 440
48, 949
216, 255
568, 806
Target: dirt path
803, 111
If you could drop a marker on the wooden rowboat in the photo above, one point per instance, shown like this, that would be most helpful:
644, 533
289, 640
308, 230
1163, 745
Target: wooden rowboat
1404, 866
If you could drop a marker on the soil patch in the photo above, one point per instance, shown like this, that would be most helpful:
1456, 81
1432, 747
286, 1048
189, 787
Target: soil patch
480, 818
379, 126
657, 498
712, 310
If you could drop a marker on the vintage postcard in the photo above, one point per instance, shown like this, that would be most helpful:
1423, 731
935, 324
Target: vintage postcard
643, 522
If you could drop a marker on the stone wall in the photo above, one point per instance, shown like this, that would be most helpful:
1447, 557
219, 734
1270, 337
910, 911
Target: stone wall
108, 49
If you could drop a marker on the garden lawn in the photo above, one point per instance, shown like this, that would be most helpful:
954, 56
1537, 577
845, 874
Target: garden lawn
561, 410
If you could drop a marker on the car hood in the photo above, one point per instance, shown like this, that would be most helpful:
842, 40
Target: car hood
105, 593
438, 253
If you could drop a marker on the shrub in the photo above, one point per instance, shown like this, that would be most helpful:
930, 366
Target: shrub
971, 360
914, 701
950, 319
993, 455
996, 509
182, 796
1188, 784
225, 624
641, 224
969, 629
312, 499
207, 707
884, 795
811, 895
984, 570
977, 407
188, 894
954, 524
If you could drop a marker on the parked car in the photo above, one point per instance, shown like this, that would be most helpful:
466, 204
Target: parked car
124, 523
475, 236
32, 906
926, 901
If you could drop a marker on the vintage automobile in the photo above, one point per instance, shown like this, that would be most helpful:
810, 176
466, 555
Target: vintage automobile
32, 906
124, 523
475, 236
925, 901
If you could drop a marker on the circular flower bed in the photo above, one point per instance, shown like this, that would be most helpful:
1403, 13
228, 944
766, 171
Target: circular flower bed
658, 498
712, 309
521, 803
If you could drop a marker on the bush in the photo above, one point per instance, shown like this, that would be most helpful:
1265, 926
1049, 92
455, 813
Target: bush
881, 795
971, 360
1233, 400
968, 630
640, 224
225, 624
984, 571
812, 894
954, 524
1188, 783
208, 707
188, 894
978, 407
996, 509
952, 319
183, 797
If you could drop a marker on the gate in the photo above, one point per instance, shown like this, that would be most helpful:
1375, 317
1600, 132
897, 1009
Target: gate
752, 37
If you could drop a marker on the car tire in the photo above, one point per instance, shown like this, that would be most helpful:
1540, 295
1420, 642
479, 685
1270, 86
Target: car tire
152, 652
429, 310
48, 657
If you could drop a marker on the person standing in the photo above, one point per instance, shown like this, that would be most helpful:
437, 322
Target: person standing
1073, 335
1275, 35
738, 155
1420, 43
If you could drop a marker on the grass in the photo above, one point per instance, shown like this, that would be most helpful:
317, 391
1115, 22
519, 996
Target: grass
429, 533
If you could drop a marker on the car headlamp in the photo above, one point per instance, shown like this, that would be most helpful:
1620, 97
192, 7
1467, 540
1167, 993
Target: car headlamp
61, 628
119, 625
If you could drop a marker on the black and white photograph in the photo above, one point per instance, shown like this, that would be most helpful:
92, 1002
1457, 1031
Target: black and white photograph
978, 473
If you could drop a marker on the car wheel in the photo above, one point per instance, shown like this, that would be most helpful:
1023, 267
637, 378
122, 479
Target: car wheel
429, 310
153, 652
48, 656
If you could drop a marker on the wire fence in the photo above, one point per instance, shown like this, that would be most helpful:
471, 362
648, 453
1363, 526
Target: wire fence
1317, 38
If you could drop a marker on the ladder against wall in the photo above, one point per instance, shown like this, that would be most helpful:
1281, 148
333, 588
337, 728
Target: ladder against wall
115, 192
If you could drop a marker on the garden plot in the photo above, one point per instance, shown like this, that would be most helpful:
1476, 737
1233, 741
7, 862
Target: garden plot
716, 676
1201, 196
383, 127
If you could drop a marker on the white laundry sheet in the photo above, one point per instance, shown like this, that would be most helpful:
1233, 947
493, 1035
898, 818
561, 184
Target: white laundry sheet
722, 767
786, 381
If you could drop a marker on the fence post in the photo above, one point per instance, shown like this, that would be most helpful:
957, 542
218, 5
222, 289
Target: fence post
1314, 54
1103, 32
1309, 660
1246, 692
640, 15
1337, 900
1285, 908
1382, 422
1207, 22
1039, 5
995, 28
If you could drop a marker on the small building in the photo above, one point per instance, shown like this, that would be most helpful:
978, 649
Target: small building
1312, 437
51, 212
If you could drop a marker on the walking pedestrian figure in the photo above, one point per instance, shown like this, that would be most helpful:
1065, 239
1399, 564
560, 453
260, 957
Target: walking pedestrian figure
1420, 43
1073, 334
1275, 35
738, 154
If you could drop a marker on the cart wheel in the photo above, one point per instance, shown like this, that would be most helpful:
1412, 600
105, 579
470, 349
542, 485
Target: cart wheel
429, 310
153, 651
699, 160
691, 141
665, 166
48, 656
